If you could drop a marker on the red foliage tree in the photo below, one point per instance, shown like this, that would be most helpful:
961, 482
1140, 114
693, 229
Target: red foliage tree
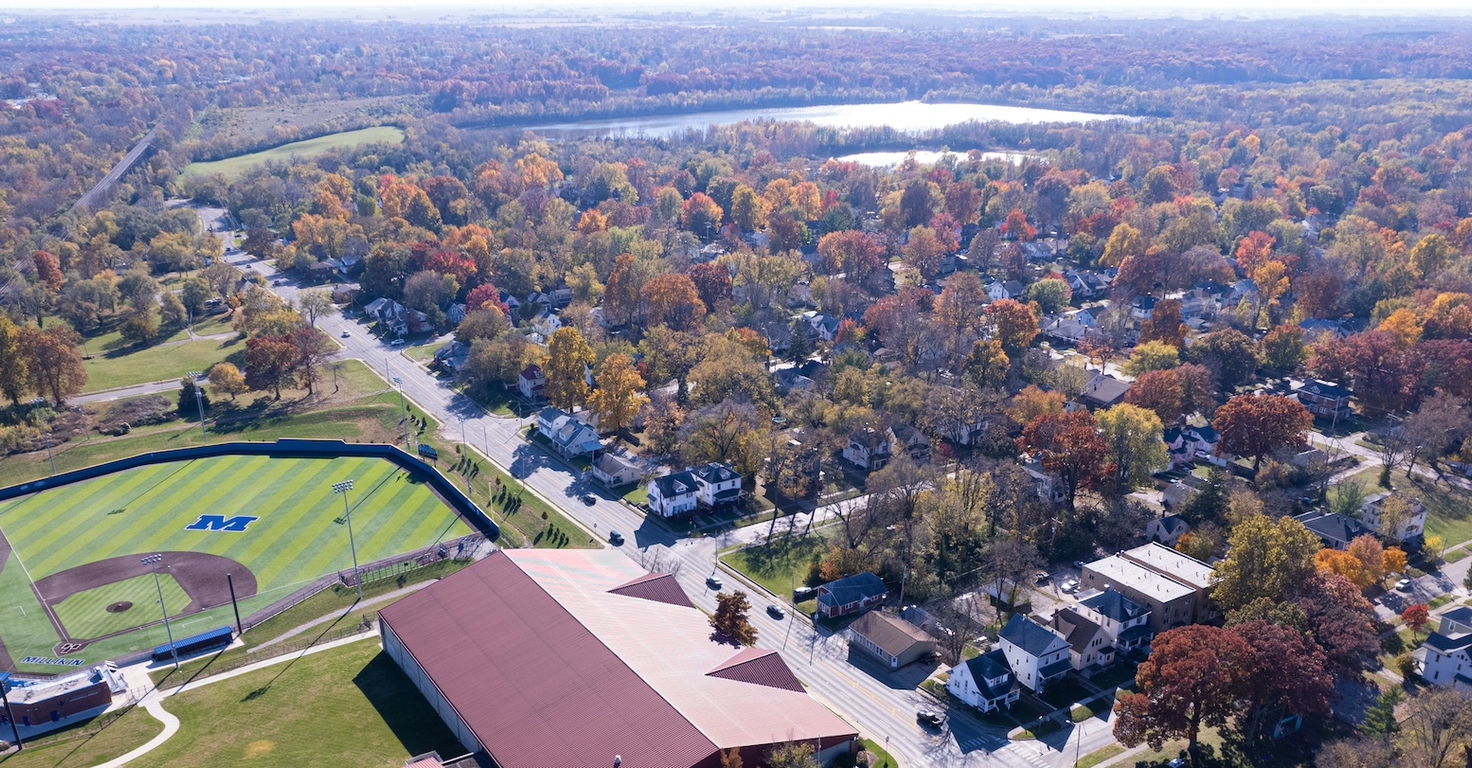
483, 295
1068, 445
1256, 426
1385, 375
854, 253
1341, 621
1193, 677
1015, 324
1285, 668
1016, 226
1416, 616
712, 281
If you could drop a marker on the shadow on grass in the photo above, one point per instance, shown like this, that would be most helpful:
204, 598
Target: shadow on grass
413, 721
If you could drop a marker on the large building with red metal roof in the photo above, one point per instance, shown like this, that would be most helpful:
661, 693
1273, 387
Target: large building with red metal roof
573, 658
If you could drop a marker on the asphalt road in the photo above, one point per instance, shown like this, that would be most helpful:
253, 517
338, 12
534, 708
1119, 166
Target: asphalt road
880, 704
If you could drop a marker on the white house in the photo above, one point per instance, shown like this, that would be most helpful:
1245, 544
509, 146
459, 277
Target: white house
673, 494
1036, 654
1413, 526
613, 471
825, 327
1167, 530
1444, 659
1009, 289
985, 682
1143, 307
1125, 622
532, 383
716, 485
1190, 444
869, 450
1089, 647
568, 436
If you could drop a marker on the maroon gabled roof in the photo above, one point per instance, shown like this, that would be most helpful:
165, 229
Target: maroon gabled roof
659, 587
758, 666
534, 685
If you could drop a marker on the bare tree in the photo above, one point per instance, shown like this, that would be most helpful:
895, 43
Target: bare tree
959, 622
1394, 443
1438, 722
1441, 424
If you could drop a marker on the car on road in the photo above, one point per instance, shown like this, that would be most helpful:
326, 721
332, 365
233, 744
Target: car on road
346, 335
1404, 585
589, 499
776, 612
714, 582
932, 719
615, 538
1070, 586
396, 343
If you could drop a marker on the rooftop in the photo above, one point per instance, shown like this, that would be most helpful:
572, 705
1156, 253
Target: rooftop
1128, 574
1029, 635
1166, 560
889, 632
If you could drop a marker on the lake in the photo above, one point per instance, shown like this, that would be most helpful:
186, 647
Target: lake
907, 116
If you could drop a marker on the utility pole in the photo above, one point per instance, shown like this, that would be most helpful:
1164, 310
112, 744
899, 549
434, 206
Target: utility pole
152, 562
404, 411
49, 457
343, 488
195, 376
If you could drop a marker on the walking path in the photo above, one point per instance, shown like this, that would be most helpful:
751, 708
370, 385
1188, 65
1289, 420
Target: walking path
153, 701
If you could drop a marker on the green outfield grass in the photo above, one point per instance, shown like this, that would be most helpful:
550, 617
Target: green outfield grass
85, 614
232, 167
299, 536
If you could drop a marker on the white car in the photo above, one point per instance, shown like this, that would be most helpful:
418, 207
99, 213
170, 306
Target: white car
1070, 586
1404, 585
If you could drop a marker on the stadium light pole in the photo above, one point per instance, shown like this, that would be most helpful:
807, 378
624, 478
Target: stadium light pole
152, 562
403, 411
343, 488
195, 376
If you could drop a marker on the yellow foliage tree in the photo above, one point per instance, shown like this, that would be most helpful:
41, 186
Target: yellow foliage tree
619, 394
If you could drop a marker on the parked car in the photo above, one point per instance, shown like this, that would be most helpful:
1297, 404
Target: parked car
804, 593
396, 343
776, 612
1070, 586
1404, 585
1041, 578
714, 582
615, 538
931, 719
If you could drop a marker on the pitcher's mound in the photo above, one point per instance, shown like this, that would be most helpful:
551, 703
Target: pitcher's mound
119, 607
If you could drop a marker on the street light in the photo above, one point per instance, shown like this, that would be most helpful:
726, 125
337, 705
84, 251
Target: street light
403, 411
195, 376
343, 488
152, 562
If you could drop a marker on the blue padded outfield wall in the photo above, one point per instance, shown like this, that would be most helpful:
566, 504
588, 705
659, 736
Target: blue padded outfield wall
284, 448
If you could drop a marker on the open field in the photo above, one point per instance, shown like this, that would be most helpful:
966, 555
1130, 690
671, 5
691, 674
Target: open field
346, 706
273, 523
233, 167
1448, 508
128, 366
252, 123
99, 740
779, 565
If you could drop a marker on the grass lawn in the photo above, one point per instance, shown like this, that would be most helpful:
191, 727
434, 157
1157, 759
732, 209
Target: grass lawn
637, 494
232, 167
882, 758
1098, 756
347, 706
420, 353
779, 565
502, 402
126, 367
296, 533
98, 741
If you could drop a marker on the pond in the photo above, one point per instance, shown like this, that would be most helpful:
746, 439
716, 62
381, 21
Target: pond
908, 116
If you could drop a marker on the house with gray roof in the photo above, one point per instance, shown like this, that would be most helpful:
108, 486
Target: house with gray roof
568, 435
1335, 530
985, 682
673, 494
1167, 530
1037, 655
851, 594
890, 639
716, 485
1089, 647
1445, 659
1126, 622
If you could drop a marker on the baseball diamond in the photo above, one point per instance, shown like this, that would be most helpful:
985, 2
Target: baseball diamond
71, 580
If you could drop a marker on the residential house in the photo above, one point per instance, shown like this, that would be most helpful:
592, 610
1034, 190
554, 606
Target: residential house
613, 471
452, 357
1335, 530
1086, 285
824, 327
1242, 289
890, 639
716, 485
1143, 307
1089, 649
1049, 486
1104, 391
1125, 622
852, 594
1036, 654
1413, 527
1009, 289
455, 314
1316, 330
788, 380
913, 441
545, 323
391, 314
673, 494
985, 682
1167, 530
532, 383
1190, 444
1176, 589
568, 434
1444, 659
1064, 330
869, 450
1324, 399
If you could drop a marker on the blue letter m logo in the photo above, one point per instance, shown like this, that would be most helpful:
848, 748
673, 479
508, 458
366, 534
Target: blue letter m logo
235, 524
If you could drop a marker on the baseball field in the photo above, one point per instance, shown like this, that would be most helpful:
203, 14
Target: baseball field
73, 586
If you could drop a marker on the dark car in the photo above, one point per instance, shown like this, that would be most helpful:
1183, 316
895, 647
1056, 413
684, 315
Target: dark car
714, 582
776, 612
804, 593
931, 719
589, 499
615, 538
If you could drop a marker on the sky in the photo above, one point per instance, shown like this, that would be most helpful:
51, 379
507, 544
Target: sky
1126, 8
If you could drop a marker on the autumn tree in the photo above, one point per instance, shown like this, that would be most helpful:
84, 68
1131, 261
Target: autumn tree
1340, 620
1342, 564
712, 282
1067, 445
312, 349
730, 619
1416, 617
1033, 402
1437, 730
1256, 426
924, 252
1283, 348
1014, 324
270, 363
1265, 558
700, 214
856, 254
568, 358
1383, 374
1194, 676
13, 374
1285, 669
619, 394
986, 364
1134, 448
1152, 356
1228, 354
1158, 391
1124, 241
315, 304
1164, 325
226, 378
51, 362
671, 300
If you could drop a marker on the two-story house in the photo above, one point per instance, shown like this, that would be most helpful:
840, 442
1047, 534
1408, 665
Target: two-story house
1324, 399
673, 494
532, 383
1444, 659
716, 485
1335, 530
1407, 527
985, 682
1190, 444
568, 435
1143, 307
1036, 654
1008, 289
1167, 530
1126, 622
869, 450
1089, 648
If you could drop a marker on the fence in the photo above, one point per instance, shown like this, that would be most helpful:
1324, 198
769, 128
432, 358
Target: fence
86, 730
460, 549
283, 448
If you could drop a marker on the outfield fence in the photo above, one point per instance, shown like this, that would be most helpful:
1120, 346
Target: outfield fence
283, 448
458, 549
